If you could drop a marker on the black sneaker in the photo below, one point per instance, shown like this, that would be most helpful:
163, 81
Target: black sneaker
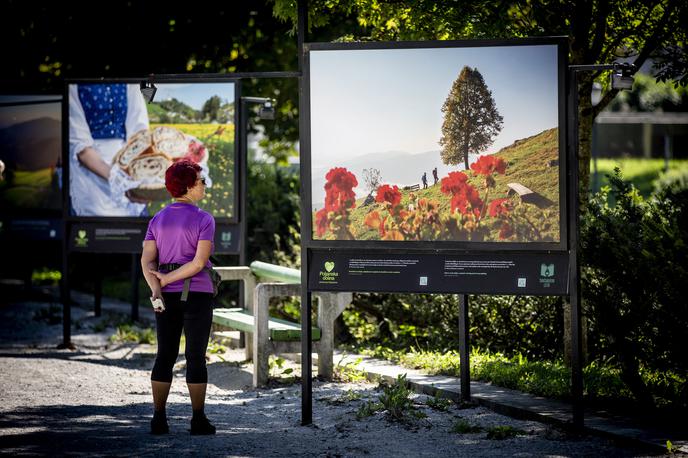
159, 426
201, 426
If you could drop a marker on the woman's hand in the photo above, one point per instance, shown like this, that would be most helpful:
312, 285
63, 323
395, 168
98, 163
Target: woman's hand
162, 278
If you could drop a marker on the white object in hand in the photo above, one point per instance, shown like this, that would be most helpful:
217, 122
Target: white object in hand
120, 183
158, 304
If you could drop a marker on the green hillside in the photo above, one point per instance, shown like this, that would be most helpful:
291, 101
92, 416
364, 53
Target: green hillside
527, 161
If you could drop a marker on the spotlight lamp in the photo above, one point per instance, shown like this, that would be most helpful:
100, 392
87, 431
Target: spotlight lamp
148, 90
267, 106
622, 76
267, 110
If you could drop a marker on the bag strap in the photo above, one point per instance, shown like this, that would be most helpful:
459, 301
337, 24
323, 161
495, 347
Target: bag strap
187, 281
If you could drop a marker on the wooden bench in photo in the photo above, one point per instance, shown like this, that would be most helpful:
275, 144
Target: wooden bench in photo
519, 189
266, 335
528, 196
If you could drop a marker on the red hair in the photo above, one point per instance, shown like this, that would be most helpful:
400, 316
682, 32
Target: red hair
181, 176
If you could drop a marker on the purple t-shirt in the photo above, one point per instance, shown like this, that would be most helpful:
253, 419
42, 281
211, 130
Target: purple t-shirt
176, 230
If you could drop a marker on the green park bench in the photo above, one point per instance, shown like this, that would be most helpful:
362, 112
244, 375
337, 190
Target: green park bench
265, 335
243, 320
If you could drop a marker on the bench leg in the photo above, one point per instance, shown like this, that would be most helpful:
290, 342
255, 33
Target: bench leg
326, 307
261, 335
326, 344
249, 288
330, 306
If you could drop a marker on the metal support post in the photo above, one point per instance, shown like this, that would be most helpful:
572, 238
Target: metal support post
306, 384
243, 218
64, 293
306, 359
135, 274
464, 349
97, 290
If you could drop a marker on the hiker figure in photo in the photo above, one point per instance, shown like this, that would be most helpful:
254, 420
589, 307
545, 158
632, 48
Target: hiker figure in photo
425, 180
176, 249
434, 176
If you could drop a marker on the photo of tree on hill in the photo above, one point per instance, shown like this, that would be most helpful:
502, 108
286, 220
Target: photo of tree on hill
30, 149
456, 144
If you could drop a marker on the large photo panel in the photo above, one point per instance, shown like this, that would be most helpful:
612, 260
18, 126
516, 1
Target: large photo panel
120, 146
436, 144
30, 153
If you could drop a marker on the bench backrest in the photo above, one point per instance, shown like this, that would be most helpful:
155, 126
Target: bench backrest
273, 272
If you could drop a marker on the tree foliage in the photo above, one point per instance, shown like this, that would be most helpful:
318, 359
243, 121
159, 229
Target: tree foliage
372, 178
471, 120
599, 31
53, 40
211, 107
650, 95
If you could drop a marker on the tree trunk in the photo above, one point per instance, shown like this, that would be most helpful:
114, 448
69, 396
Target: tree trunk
585, 120
465, 159
568, 347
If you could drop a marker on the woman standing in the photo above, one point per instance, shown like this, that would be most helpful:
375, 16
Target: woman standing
175, 256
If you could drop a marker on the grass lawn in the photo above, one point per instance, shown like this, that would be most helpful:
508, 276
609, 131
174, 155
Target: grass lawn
641, 172
602, 381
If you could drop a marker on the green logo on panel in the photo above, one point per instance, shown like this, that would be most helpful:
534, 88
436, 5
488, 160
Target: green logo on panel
81, 240
547, 275
226, 236
328, 276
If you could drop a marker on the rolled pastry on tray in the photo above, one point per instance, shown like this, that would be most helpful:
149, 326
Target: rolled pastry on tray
148, 154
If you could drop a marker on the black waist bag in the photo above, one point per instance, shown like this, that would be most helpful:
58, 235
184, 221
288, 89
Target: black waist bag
215, 278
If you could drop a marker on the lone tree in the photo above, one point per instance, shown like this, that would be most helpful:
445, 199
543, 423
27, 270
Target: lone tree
372, 179
211, 108
471, 119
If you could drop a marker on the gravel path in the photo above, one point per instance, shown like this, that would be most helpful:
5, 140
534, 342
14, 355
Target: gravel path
96, 401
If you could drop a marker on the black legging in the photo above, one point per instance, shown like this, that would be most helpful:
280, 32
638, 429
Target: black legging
195, 316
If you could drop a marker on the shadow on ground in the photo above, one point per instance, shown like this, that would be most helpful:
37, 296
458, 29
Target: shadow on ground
106, 430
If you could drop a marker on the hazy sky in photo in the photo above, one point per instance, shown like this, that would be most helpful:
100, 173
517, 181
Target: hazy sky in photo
16, 114
194, 95
374, 101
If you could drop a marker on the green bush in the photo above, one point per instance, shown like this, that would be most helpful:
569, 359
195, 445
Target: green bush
464, 427
532, 326
635, 283
396, 398
368, 409
503, 432
273, 214
45, 276
438, 403
673, 178
132, 333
